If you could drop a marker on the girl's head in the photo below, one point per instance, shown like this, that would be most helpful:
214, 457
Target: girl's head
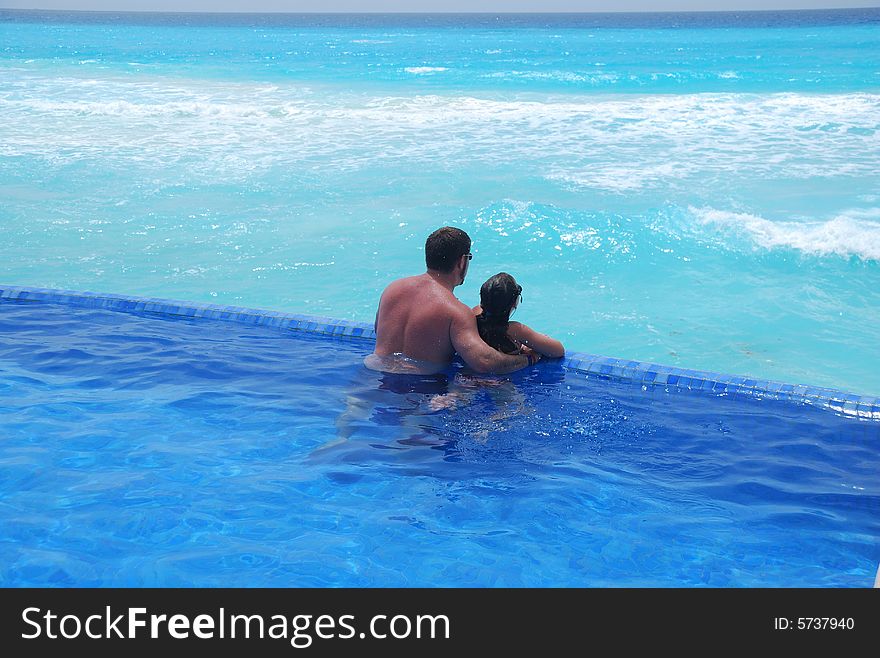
499, 296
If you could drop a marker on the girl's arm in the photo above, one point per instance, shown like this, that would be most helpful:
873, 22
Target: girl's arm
541, 343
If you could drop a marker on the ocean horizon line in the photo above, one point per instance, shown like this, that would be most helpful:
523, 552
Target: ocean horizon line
713, 18
442, 13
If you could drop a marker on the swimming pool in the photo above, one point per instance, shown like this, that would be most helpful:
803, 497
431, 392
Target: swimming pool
157, 448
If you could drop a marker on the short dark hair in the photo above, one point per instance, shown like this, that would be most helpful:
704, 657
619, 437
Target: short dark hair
444, 247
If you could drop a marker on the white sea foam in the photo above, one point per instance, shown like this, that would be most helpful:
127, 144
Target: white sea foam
590, 77
851, 233
425, 69
620, 144
622, 177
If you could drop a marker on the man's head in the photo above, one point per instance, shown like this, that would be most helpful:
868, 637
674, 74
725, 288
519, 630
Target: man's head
447, 250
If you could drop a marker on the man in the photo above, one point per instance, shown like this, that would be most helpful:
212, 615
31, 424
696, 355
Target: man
420, 325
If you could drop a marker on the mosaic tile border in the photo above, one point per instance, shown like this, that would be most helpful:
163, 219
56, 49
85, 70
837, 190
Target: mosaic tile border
648, 375
291, 321
652, 375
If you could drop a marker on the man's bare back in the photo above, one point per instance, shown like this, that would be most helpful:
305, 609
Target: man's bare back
415, 314
420, 325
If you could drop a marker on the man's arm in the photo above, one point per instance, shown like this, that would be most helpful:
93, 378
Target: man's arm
476, 353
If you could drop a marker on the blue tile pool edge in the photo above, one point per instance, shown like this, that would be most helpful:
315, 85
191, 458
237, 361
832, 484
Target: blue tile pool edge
170, 307
636, 372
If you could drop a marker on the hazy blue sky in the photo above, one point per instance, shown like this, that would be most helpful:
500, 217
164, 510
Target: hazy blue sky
431, 5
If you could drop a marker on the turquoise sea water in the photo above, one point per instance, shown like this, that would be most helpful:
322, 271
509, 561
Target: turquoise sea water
696, 190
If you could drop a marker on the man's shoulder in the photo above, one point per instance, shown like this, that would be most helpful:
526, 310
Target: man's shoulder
461, 312
403, 281
398, 286
449, 307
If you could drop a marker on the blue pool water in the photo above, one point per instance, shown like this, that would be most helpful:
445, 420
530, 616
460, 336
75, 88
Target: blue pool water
693, 189
149, 450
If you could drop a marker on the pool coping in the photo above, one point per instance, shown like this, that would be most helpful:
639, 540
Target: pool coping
648, 375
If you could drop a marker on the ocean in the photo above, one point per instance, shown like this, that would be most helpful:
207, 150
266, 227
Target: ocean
697, 190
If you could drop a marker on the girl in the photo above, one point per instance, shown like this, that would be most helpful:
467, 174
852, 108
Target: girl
499, 297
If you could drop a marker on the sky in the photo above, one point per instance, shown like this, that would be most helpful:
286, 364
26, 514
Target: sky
490, 6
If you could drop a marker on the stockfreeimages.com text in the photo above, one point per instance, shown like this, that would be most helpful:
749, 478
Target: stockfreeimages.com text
301, 630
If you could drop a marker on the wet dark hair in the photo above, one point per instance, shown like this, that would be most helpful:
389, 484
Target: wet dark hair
444, 247
497, 297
